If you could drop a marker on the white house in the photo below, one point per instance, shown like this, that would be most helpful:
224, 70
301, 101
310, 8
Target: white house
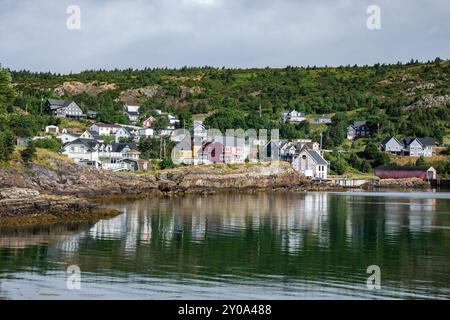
199, 129
84, 150
123, 133
293, 116
67, 137
392, 144
122, 151
287, 150
322, 119
359, 129
311, 164
133, 117
173, 120
132, 110
108, 156
146, 132
417, 147
64, 108
131, 107
91, 135
165, 132
105, 129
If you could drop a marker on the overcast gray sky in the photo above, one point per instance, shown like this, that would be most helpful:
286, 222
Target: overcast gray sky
231, 33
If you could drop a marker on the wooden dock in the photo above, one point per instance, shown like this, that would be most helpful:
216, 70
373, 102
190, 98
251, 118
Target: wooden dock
440, 183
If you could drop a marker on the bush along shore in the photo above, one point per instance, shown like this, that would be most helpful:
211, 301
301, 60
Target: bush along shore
59, 190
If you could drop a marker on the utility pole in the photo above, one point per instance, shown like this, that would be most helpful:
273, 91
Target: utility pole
321, 141
164, 148
260, 110
160, 147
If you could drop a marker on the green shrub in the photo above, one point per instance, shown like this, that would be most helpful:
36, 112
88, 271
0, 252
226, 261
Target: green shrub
167, 163
49, 144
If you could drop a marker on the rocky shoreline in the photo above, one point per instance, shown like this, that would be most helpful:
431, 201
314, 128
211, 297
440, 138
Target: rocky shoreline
63, 189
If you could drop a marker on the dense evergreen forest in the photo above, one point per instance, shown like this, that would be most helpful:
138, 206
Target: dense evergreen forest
409, 99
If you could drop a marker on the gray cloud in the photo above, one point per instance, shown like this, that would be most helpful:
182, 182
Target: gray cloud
233, 33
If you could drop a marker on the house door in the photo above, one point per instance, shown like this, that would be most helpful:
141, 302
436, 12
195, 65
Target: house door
430, 175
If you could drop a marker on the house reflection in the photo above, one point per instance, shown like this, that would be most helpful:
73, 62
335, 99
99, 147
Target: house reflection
292, 216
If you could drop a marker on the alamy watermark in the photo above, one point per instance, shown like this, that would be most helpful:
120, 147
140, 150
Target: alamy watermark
374, 20
374, 280
73, 281
73, 22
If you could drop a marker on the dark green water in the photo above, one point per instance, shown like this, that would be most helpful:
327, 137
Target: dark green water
264, 246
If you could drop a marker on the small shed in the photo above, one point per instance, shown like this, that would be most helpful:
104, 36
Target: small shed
52, 129
91, 114
403, 172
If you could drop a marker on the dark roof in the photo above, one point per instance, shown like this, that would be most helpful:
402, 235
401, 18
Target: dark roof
95, 135
358, 124
56, 104
133, 113
423, 141
107, 125
317, 157
386, 140
408, 140
403, 168
118, 147
87, 142
426, 141
127, 130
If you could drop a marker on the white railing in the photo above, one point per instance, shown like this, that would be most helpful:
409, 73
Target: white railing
115, 166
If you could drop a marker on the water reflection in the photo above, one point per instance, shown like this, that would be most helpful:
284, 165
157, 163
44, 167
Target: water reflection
319, 241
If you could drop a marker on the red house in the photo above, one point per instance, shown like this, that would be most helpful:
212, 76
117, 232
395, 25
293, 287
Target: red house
211, 152
402, 172
148, 122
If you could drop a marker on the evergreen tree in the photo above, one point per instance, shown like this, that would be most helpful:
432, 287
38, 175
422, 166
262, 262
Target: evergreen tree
7, 91
29, 153
6, 145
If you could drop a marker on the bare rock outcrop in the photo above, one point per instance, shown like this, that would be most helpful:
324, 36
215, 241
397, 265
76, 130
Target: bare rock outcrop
75, 87
430, 101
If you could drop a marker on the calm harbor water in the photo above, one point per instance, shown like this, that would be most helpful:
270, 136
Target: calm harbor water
240, 246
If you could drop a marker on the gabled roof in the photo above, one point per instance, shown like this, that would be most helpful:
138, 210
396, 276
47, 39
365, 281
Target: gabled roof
95, 135
90, 144
56, 104
318, 159
426, 142
127, 130
358, 124
118, 147
408, 140
386, 140
290, 112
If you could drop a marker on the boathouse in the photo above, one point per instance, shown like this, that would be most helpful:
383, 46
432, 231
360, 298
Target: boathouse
402, 172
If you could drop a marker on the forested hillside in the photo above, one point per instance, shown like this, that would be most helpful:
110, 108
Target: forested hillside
411, 99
